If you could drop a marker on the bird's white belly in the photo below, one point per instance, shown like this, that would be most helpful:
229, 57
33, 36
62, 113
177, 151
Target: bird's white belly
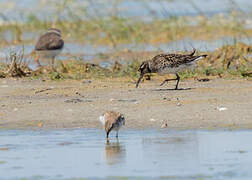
48, 53
174, 70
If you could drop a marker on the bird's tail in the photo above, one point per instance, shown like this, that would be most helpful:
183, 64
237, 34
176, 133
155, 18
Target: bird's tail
102, 119
192, 53
200, 57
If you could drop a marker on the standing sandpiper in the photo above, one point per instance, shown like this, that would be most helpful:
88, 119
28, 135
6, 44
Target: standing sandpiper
168, 63
112, 121
49, 45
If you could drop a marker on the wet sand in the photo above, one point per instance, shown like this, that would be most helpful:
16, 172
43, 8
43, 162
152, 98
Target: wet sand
218, 103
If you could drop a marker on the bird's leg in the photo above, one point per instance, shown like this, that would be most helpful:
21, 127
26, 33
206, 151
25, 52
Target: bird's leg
37, 60
110, 129
53, 61
117, 134
52, 64
178, 78
167, 81
138, 81
107, 135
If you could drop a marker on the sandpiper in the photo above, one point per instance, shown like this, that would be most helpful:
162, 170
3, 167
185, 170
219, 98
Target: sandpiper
112, 121
49, 45
168, 63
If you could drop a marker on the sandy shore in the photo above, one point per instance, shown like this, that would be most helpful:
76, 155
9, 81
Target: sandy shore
77, 104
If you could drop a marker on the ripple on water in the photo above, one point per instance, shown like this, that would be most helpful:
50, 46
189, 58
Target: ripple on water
148, 154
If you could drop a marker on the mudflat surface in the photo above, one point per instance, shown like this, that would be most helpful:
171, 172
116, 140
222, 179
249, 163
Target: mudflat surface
218, 103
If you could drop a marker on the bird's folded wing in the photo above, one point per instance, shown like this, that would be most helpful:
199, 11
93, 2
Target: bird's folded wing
175, 60
49, 42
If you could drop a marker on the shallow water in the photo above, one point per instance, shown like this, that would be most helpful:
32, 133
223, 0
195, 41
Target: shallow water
88, 51
146, 154
18, 11
145, 9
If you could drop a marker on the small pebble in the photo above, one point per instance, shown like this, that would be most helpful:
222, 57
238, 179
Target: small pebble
76, 100
168, 99
204, 80
179, 104
221, 108
86, 82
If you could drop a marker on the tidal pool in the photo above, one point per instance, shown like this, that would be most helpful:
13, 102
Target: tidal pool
145, 154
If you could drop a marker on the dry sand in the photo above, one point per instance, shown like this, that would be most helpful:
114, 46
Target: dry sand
215, 104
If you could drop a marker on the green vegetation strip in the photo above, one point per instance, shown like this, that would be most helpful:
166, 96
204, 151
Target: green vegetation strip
228, 61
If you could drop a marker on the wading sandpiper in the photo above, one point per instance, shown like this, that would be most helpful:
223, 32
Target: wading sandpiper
168, 63
112, 121
49, 45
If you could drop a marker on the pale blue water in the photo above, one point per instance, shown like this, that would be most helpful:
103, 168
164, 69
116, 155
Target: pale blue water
146, 154
87, 52
16, 10
143, 9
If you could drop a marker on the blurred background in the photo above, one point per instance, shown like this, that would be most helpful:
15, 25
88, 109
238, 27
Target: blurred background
109, 39
109, 31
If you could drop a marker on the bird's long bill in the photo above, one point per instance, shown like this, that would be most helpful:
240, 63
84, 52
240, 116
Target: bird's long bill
138, 81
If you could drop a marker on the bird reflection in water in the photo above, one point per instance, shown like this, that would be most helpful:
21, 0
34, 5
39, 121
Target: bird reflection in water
115, 153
